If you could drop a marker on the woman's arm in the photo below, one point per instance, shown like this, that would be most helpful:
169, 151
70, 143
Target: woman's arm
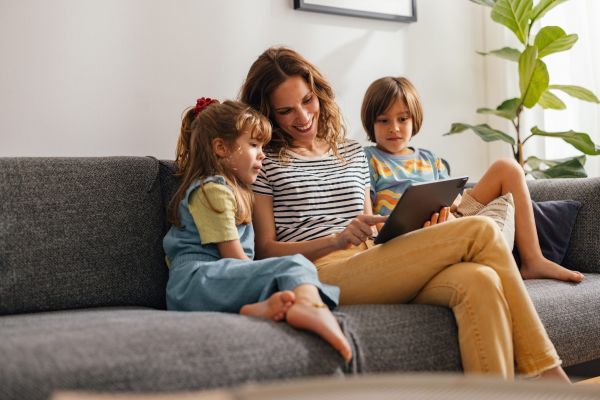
359, 230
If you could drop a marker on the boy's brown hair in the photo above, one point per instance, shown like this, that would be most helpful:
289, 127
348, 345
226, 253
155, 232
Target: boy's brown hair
380, 96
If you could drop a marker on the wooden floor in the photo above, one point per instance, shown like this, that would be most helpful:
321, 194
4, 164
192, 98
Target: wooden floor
595, 380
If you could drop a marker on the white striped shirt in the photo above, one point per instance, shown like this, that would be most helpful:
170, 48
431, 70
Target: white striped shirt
315, 196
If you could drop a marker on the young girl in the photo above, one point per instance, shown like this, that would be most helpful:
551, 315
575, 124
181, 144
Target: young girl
210, 247
392, 114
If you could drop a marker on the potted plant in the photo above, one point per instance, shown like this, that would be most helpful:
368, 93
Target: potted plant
535, 88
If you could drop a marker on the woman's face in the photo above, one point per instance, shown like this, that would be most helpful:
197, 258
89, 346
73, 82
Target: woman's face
296, 109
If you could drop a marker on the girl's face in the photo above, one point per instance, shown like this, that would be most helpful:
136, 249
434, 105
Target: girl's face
296, 109
244, 160
393, 129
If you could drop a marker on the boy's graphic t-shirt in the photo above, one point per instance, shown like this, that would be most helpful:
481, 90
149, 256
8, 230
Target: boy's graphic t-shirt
391, 175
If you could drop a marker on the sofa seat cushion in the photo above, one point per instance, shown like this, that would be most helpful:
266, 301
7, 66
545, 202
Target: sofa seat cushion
140, 349
571, 314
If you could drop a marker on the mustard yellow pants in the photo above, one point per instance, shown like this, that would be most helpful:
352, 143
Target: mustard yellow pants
462, 264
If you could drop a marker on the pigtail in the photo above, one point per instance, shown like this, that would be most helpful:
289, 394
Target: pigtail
182, 152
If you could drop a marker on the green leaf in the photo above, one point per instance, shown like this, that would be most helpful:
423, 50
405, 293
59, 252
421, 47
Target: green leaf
543, 7
489, 3
552, 39
507, 53
549, 100
577, 92
580, 140
484, 131
566, 168
514, 14
533, 77
537, 163
508, 109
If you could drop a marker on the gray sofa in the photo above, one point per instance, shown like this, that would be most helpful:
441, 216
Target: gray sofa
82, 302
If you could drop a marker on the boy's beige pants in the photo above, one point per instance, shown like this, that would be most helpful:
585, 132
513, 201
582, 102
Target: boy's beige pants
463, 264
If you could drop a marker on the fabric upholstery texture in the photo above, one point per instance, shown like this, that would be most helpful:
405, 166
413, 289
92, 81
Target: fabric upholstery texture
152, 350
80, 232
583, 253
571, 314
554, 221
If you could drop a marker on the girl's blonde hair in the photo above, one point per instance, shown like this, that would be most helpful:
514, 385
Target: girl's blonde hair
195, 158
380, 96
271, 69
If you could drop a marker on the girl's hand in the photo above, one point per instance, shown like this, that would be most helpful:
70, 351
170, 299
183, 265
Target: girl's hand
358, 231
437, 218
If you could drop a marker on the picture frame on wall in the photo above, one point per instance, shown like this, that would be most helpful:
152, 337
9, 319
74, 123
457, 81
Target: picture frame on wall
389, 10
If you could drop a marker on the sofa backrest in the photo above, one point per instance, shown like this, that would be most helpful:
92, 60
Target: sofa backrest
583, 253
80, 232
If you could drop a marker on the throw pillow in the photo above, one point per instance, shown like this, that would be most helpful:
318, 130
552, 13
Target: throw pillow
554, 221
501, 210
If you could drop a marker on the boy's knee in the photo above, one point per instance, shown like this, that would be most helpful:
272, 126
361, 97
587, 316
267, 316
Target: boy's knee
508, 166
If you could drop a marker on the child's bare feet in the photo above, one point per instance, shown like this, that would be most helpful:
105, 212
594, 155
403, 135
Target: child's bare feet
274, 308
546, 269
317, 318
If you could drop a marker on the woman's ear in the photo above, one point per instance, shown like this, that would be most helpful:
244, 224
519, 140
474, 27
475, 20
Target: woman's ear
219, 147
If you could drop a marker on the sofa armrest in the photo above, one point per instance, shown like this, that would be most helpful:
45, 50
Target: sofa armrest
583, 253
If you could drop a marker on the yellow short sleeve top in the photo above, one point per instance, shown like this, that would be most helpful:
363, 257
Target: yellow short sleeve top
215, 224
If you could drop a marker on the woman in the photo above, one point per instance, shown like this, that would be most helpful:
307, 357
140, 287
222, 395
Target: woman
312, 198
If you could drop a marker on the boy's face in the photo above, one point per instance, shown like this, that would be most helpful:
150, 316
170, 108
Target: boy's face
393, 129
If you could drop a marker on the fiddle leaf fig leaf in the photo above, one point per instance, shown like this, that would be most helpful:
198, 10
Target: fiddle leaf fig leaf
577, 92
565, 168
543, 7
507, 53
552, 39
533, 77
580, 140
508, 109
484, 131
489, 3
550, 100
514, 14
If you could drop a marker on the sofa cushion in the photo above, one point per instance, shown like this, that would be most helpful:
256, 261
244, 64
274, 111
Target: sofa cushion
571, 314
80, 232
115, 349
583, 253
554, 221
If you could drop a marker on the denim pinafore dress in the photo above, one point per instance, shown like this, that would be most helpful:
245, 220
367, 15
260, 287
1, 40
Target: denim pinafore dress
200, 280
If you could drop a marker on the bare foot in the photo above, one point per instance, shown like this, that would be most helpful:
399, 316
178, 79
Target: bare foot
274, 308
546, 269
556, 373
318, 319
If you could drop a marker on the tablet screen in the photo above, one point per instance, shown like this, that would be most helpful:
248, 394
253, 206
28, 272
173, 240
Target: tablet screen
417, 204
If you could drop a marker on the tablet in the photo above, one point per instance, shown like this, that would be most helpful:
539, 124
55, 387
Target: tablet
417, 204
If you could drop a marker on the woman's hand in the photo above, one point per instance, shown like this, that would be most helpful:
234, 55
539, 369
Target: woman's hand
437, 218
359, 230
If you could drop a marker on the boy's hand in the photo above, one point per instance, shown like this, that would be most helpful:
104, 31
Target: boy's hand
437, 218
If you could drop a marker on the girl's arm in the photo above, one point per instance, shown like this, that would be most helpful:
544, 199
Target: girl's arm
359, 230
232, 249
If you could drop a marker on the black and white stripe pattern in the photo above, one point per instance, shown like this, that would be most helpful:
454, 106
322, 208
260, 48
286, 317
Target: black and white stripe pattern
317, 196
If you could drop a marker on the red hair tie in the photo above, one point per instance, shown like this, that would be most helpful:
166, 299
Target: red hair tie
202, 103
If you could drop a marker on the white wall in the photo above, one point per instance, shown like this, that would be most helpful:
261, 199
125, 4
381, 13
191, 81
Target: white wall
111, 77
